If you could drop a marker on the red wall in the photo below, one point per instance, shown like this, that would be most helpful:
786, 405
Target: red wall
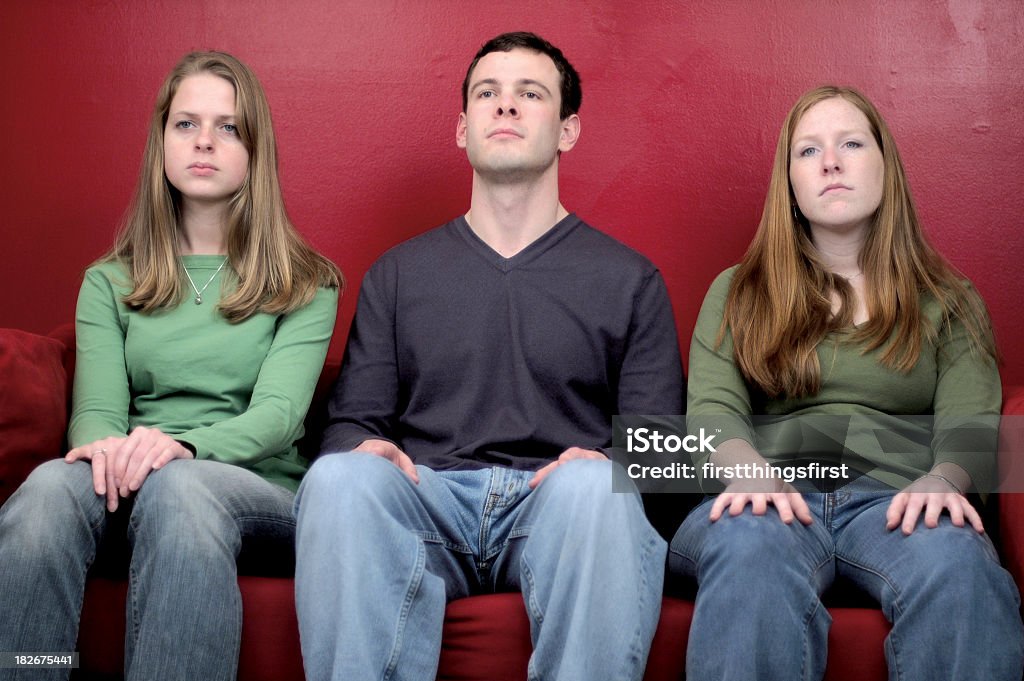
681, 109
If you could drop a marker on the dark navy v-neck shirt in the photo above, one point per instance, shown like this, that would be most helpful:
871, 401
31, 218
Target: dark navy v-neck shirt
467, 359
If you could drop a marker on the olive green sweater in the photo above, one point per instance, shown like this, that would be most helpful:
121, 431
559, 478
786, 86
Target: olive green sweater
237, 393
956, 390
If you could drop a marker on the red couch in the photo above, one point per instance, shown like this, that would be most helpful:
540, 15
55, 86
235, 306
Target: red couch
486, 638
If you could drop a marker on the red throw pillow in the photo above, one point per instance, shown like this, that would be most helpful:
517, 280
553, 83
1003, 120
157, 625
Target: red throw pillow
33, 406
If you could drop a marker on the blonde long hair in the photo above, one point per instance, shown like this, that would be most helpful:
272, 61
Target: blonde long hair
779, 306
276, 270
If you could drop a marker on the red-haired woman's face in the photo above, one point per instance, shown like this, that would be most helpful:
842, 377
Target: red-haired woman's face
836, 167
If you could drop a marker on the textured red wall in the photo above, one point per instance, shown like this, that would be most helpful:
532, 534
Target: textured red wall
681, 109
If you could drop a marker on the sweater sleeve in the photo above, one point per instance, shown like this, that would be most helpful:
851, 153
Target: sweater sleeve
651, 379
365, 400
283, 390
717, 398
101, 395
967, 403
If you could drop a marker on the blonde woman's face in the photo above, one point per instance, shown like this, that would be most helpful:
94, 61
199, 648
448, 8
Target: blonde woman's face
836, 168
204, 157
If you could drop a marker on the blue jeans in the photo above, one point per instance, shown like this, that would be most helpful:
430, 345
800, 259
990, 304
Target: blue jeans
954, 610
378, 557
185, 528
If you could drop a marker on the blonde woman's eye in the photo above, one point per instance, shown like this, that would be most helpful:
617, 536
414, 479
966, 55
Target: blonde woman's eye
809, 151
853, 145
184, 124
231, 128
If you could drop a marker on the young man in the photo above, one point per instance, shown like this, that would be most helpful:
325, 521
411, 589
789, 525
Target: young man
484, 365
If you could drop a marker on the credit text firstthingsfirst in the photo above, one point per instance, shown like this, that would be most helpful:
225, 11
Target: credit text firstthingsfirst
644, 440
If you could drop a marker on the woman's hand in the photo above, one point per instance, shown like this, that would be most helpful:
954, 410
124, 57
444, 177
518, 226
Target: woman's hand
931, 494
100, 453
143, 451
120, 464
786, 500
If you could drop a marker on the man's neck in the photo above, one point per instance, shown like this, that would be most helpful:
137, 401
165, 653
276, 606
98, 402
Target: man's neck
508, 217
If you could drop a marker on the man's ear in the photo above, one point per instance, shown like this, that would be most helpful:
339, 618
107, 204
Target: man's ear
460, 131
570, 133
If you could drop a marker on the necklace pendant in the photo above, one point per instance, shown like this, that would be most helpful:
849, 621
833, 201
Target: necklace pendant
199, 300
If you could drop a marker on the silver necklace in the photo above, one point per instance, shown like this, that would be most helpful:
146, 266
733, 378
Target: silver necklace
199, 291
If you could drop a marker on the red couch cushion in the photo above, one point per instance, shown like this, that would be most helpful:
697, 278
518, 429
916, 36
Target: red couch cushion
33, 412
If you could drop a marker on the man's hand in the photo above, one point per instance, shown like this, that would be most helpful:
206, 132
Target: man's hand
391, 452
786, 500
932, 495
567, 455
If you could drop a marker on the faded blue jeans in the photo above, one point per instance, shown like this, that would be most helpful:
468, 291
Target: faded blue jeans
954, 609
378, 557
185, 528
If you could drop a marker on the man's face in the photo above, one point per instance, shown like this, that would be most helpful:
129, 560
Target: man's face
511, 128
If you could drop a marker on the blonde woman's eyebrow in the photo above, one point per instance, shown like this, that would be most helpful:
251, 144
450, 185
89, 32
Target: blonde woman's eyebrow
190, 114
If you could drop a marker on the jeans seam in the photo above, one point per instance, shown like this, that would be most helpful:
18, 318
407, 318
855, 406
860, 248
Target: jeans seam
891, 638
805, 657
897, 597
532, 603
133, 585
809, 617
683, 556
534, 610
642, 606
894, 655
435, 538
410, 594
264, 519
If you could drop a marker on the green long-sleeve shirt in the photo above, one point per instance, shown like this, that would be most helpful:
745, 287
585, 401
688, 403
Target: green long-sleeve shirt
237, 393
957, 389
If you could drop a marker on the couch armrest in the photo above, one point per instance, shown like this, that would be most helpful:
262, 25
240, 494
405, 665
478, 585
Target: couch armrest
1011, 472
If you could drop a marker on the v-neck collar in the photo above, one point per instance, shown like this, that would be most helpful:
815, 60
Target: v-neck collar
531, 252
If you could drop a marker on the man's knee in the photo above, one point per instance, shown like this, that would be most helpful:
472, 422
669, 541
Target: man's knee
581, 479
579, 495
349, 479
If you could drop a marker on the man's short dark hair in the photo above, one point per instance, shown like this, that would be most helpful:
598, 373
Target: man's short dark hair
572, 94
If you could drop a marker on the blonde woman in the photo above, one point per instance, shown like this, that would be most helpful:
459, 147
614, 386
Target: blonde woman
840, 308
200, 337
